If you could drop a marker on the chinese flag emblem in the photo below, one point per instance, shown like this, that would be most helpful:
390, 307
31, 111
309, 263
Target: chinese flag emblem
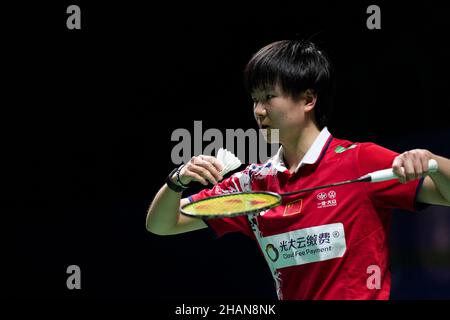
293, 208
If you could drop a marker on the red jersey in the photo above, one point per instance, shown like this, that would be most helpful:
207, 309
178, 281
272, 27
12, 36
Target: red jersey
330, 243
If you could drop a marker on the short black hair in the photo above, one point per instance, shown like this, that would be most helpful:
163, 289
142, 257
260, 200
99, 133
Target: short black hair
296, 66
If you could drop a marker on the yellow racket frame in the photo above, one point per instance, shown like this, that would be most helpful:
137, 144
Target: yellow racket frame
231, 205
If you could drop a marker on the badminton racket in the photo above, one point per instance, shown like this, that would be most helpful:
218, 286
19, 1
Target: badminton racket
243, 203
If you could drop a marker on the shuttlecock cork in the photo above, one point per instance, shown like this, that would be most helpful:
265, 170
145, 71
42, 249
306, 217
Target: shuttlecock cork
228, 161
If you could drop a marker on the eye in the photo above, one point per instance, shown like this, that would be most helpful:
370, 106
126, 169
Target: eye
269, 96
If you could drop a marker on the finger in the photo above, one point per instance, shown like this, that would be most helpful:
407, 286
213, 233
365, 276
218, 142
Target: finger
399, 171
197, 177
204, 173
425, 167
211, 168
194, 170
216, 163
418, 170
409, 169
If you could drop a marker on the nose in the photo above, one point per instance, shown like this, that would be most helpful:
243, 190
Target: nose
259, 111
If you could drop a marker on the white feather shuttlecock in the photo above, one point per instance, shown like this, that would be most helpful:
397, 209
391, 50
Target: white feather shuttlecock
228, 160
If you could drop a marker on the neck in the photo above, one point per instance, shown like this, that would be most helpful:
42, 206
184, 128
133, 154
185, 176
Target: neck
295, 149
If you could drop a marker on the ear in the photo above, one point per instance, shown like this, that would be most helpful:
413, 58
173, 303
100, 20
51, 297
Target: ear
310, 98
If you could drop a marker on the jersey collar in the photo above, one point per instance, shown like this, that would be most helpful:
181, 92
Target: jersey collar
311, 156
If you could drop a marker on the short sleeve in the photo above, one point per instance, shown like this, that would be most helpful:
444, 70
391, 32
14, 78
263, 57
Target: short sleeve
238, 182
386, 194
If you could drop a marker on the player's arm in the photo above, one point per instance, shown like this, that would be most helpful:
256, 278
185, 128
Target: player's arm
413, 164
163, 216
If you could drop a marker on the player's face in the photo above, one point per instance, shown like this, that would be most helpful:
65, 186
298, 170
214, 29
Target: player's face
275, 110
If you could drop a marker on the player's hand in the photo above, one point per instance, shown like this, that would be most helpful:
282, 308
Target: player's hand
202, 169
412, 164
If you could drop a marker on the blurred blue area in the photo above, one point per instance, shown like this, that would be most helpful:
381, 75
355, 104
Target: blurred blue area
420, 254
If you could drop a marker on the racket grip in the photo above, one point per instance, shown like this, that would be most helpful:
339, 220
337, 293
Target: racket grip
388, 174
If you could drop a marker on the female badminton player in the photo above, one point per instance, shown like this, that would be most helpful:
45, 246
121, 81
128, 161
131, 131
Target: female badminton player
319, 244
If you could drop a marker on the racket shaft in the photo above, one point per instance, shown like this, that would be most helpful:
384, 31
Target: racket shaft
362, 179
376, 176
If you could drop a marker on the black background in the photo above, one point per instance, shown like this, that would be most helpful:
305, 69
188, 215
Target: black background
94, 110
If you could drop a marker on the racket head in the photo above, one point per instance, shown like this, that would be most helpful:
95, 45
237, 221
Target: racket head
231, 205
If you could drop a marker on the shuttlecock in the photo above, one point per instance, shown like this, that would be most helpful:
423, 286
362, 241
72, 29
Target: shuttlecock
228, 160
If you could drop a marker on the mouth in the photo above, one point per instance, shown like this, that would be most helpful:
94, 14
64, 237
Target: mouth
264, 126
